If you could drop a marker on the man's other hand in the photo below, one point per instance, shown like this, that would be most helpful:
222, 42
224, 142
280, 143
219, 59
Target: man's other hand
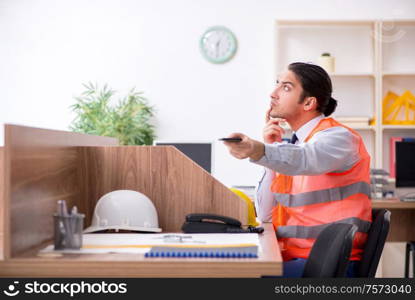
272, 131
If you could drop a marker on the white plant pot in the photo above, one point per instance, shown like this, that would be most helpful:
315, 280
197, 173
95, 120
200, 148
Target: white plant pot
327, 63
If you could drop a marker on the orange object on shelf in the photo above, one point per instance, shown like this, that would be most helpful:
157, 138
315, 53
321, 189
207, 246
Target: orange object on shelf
399, 110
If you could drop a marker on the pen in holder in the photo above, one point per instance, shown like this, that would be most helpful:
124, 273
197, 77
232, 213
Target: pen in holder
68, 231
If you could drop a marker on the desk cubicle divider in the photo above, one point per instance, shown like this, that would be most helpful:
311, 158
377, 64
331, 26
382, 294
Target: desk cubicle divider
1, 202
42, 166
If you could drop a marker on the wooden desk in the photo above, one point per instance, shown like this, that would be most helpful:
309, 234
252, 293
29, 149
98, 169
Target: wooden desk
136, 265
402, 226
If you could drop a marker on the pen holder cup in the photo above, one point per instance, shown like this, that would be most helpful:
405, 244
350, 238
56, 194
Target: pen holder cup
68, 231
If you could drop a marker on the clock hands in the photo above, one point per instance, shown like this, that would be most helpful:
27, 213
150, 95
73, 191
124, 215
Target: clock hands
217, 44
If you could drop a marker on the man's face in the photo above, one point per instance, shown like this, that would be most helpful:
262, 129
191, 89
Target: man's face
286, 96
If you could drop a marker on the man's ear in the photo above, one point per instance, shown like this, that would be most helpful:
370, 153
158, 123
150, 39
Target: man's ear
310, 103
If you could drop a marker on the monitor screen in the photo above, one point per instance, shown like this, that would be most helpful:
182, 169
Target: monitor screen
405, 164
200, 153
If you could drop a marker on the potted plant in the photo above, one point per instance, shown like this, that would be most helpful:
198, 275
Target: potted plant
128, 121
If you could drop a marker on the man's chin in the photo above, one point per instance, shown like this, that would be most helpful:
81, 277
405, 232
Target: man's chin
275, 115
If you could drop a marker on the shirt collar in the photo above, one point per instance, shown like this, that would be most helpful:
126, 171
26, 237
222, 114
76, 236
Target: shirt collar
306, 129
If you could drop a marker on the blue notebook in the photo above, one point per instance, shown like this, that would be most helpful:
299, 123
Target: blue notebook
208, 252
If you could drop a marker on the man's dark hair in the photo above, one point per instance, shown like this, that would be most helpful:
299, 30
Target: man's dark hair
316, 83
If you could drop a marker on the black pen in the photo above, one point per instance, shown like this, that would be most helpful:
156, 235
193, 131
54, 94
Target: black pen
234, 140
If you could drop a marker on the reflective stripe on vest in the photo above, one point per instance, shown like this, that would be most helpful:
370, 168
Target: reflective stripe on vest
311, 232
322, 196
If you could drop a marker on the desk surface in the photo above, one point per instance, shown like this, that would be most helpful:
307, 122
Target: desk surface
135, 265
393, 203
269, 262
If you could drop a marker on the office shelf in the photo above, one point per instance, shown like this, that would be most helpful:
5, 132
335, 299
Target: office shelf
399, 73
368, 127
398, 127
352, 74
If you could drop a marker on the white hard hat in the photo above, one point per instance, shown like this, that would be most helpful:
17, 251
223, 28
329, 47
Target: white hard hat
124, 209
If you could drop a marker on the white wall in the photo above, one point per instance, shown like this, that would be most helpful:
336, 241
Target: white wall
48, 48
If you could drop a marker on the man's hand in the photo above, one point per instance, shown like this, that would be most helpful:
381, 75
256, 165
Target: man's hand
272, 131
245, 148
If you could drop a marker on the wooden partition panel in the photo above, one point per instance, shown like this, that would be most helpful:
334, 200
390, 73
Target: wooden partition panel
176, 185
1, 200
402, 222
402, 226
41, 167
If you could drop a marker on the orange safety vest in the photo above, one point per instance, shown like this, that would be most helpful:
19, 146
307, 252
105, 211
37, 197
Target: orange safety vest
306, 204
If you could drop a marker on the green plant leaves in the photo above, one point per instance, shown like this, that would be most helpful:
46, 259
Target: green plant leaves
129, 120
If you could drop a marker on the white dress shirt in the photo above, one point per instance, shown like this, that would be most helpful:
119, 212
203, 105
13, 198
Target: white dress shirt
334, 149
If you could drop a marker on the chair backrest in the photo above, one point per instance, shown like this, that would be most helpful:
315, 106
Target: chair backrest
330, 254
376, 238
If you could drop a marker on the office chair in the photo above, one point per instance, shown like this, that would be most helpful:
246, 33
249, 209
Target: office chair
376, 238
330, 254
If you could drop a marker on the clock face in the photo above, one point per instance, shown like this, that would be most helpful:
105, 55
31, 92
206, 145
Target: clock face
218, 44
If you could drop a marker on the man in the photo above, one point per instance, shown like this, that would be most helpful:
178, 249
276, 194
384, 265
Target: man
320, 177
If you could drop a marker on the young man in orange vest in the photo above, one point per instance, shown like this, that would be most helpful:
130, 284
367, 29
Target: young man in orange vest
320, 177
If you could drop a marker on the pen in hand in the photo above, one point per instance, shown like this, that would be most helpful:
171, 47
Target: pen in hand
234, 140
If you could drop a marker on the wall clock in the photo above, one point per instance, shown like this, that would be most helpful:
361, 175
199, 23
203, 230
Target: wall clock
218, 44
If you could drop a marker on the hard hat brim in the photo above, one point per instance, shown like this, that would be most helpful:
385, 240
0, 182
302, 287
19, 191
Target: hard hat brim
133, 228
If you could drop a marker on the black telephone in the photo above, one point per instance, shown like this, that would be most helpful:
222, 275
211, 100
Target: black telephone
210, 223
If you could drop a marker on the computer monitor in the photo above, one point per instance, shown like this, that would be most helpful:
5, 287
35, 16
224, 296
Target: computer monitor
405, 164
199, 152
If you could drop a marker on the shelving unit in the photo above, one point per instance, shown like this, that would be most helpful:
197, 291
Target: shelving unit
397, 74
372, 57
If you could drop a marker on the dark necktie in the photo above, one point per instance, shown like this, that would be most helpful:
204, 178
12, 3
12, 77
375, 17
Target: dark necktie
294, 139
